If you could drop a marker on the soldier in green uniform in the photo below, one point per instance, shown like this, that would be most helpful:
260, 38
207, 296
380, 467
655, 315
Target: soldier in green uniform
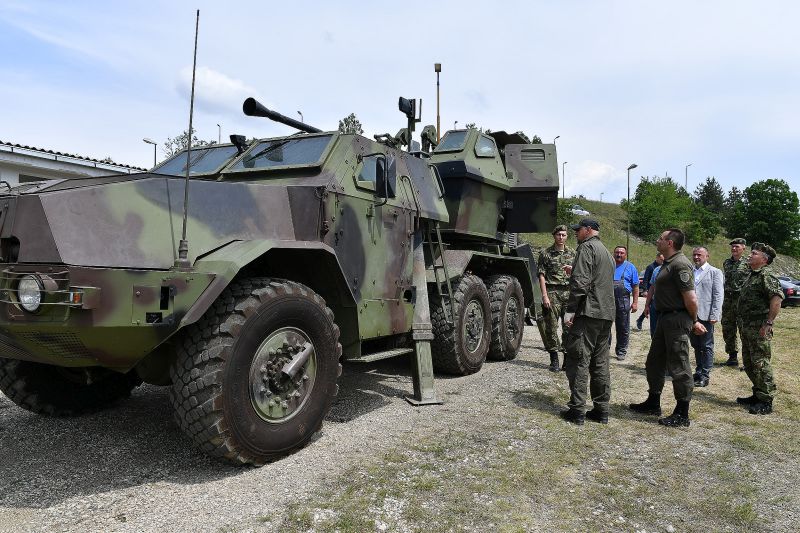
676, 303
554, 282
759, 304
590, 312
735, 270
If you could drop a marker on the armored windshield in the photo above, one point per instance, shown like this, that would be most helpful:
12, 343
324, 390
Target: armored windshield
204, 160
288, 152
452, 141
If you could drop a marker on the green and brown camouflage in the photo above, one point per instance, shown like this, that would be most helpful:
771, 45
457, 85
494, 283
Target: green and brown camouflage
338, 214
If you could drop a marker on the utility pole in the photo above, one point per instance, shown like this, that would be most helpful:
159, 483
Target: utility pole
628, 236
686, 177
564, 181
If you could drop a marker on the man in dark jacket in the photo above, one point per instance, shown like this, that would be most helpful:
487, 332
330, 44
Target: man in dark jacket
590, 312
645, 284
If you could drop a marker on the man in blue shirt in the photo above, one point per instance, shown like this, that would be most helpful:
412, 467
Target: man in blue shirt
626, 282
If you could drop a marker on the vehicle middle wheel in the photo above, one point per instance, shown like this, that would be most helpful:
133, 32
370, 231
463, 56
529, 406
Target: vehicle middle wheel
508, 312
461, 348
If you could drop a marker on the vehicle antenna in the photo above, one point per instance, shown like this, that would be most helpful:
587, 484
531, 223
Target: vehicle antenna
183, 248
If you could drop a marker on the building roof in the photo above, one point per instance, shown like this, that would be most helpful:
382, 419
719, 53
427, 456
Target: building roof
76, 158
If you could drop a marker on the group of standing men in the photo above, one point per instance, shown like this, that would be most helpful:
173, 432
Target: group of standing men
589, 289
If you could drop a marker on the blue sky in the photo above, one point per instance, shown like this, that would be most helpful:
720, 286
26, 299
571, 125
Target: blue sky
712, 83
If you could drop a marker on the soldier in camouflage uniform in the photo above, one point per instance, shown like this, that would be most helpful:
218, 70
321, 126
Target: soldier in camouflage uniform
554, 282
758, 305
735, 270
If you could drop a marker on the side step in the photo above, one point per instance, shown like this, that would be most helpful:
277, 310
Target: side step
377, 356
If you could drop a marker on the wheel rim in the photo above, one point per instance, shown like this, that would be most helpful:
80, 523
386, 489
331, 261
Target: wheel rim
513, 318
275, 396
473, 326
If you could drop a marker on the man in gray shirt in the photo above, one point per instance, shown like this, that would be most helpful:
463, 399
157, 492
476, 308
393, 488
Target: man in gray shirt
590, 313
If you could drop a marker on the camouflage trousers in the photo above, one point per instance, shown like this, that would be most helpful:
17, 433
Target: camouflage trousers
669, 351
586, 356
756, 357
551, 317
729, 327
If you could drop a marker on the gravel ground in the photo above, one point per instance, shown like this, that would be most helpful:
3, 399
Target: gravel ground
130, 469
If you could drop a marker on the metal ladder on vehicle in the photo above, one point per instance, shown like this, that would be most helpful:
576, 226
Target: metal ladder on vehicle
440, 271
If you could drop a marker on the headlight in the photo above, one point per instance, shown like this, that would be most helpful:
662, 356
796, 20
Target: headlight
29, 292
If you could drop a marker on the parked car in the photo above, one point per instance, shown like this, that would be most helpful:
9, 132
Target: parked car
791, 291
578, 210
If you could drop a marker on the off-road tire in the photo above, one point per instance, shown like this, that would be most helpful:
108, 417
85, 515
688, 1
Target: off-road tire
55, 391
508, 313
211, 392
449, 346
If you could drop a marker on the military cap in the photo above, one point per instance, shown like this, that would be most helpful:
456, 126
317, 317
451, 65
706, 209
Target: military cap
766, 249
586, 223
560, 227
738, 240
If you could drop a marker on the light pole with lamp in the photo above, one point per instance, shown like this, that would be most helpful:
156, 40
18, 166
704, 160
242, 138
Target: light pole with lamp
628, 236
219, 134
301, 116
564, 180
557, 137
686, 177
437, 67
455, 124
601, 197
150, 141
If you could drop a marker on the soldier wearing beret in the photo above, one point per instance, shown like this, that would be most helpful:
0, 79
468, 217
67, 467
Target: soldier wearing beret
735, 271
590, 312
758, 305
676, 303
554, 282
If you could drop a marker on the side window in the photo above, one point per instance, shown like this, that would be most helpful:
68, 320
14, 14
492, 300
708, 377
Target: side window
368, 171
485, 147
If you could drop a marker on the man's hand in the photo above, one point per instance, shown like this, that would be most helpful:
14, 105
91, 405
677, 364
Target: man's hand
699, 329
568, 269
546, 301
634, 306
646, 312
568, 319
765, 332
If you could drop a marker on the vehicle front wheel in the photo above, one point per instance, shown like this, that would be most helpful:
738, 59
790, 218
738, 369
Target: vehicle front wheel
256, 375
56, 391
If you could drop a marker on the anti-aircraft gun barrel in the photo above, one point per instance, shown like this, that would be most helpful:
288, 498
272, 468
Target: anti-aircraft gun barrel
253, 108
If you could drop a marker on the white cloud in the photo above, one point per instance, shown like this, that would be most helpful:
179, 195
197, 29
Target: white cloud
590, 178
215, 91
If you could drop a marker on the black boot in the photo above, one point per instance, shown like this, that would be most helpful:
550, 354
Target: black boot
679, 417
554, 361
651, 406
733, 359
761, 408
597, 415
749, 400
573, 417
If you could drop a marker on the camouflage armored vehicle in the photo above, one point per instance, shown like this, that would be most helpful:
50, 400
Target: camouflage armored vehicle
300, 252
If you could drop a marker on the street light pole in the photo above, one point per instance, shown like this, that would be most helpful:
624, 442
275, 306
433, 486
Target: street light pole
438, 68
686, 177
301, 116
455, 124
219, 134
628, 236
564, 181
601, 197
557, 137
150, 141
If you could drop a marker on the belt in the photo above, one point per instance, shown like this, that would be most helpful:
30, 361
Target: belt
556, 285
670, 311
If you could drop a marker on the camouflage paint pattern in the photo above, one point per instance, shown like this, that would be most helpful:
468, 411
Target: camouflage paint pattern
114, 240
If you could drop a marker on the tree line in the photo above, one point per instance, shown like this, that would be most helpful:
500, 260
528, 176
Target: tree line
766, 211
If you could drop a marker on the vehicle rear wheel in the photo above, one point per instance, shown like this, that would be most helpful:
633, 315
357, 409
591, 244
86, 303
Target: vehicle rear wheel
56, 391
508, 312
234, 391
461, 348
